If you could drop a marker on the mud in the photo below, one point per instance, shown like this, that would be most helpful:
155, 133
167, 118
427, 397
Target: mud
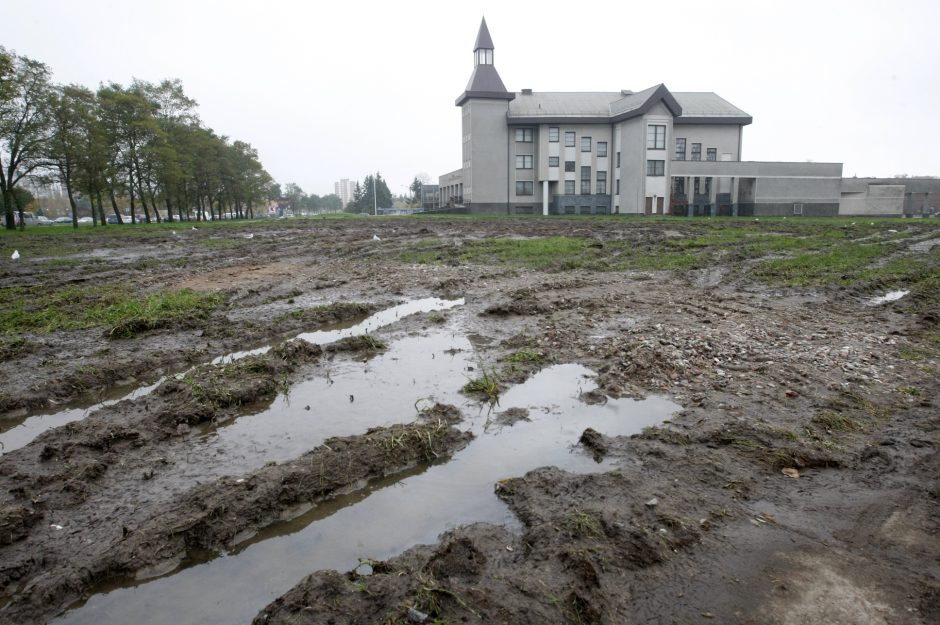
691, 520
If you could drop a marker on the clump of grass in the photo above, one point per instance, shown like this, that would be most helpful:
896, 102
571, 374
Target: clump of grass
583, 524
913, 391
487, 386
526, 356
814, 269
835, 421
11, 347
132, 316
436, 317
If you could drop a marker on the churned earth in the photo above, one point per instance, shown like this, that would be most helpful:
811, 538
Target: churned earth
455, 419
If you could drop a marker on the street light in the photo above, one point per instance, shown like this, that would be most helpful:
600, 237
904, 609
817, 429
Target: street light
375, 199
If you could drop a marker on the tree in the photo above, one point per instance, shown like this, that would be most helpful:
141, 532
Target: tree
416, 189
366, 202
71, 113
295, 195
331, 203
24, 124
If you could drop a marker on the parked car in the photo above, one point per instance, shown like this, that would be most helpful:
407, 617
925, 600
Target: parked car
28, 218
62, 220
86, 220
112, 219
42, 220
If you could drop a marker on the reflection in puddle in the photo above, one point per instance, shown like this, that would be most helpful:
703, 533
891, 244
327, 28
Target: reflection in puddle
17, 433
233, 588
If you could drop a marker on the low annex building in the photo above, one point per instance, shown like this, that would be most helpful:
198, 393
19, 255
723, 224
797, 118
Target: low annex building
653, 151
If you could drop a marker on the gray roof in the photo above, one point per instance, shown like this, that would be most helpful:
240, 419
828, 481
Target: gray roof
485, 83
698, 104
483, 37
611, 106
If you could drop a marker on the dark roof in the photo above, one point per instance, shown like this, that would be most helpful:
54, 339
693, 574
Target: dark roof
483, 38
485, 83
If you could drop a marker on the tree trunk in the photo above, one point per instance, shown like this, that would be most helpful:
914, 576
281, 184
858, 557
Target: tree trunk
9, 217
130, 188
114, 206
101, 217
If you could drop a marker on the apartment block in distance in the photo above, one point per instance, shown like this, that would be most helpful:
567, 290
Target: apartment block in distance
344, 189
653, 151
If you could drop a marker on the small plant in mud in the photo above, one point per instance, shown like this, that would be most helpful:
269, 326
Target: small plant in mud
583, 524
436, 317
527, 356
487, 386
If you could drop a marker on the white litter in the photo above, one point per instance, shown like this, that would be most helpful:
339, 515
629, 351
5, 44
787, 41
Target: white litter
249, 236
890, 296
375, 237
16, 254
56, 526
194, 227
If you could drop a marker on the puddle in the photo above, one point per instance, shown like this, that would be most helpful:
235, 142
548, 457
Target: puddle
890, 296
16, 433
370, 324
232, 588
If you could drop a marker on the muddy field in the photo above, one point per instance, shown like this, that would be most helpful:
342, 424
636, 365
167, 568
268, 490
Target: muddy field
444, 420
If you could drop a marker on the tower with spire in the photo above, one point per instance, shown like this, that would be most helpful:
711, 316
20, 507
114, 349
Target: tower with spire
484, 107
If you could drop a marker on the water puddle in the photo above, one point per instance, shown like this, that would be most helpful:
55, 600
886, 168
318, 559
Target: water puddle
370, 324
18, 432
232, 588
15, 433
890, 296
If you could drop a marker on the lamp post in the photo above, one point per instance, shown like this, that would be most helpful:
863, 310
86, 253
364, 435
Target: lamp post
375, 199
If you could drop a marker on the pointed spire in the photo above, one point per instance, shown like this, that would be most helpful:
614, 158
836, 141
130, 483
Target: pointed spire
483, 38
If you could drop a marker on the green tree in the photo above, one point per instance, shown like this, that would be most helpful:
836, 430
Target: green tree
25, 124
367, 202
72, 114
331, 203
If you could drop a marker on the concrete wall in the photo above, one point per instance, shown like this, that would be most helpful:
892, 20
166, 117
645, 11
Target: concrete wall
872, 199
631, 141
657, 186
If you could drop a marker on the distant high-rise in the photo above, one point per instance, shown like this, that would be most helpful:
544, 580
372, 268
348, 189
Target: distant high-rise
344, 189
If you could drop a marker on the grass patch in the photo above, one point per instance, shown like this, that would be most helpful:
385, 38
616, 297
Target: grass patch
527, 356
583, 524
835, 421
816, 269
485, 386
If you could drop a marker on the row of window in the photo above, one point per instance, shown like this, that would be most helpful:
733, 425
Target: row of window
527, 135
710, 155
525, 161
678, 186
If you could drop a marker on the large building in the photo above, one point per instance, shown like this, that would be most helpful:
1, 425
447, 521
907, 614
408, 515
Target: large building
647, 152
344, 189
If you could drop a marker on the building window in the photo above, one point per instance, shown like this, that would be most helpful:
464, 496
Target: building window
524, 187
655, 168
602, 148
484, 57
696, 151
708, 186
585, 144
601, 183
695, 186
678, 186
569, 166
553, 161
585, 180
524, 135
553, 134
711, 154
569, 210
524, 161
618, 159
569, 187
655, 137
680, 149
797, 209
617, 182
569, 139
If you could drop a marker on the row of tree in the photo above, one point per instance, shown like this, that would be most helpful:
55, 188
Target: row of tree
143, 143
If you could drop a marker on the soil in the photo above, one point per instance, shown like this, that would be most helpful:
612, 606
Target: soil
799, 483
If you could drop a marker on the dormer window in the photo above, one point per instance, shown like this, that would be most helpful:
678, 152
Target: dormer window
485, 56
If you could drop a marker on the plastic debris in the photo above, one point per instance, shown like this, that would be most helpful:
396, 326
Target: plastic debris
791, 472
416, 616
56, 526
375, 237
250, 236
652, 503
16, 254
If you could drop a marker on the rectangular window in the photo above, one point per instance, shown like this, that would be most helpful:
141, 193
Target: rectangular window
524, 187
585, 144
696, 187
569, 166
708, 186
523, 161
524, 135
696, 151
655, 168
797, 209
553, 134
601, 183
569, 187
618, 159
680, 149
602, 148
655, 137
678, 186
585, 180
569, 210
617, 192
553, 161
569, 139
711, 154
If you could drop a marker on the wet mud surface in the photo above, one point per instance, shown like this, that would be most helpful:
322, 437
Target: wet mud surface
677, 446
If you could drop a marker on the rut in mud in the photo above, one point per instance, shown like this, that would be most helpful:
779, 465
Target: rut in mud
779, 464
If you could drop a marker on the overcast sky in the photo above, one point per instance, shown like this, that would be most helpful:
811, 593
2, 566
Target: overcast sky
339, 89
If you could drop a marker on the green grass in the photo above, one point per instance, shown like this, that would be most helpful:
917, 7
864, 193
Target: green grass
88, 306
526, 356
485, 386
